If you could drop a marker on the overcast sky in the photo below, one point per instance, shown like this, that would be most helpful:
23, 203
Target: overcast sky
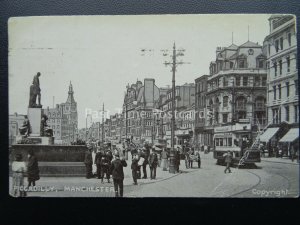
100, 55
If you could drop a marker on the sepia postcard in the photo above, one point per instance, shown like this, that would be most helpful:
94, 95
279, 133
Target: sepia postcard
202, 105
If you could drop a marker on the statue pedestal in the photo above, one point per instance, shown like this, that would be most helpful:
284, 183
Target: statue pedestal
35, 117
41, 140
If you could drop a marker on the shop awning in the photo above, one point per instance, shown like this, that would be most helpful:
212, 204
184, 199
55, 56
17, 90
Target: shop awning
290, 136
268, 134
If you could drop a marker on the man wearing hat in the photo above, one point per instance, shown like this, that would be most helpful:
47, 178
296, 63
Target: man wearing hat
88, 161
117, 172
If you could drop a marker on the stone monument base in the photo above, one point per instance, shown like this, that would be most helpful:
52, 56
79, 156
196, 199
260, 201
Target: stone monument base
42, 140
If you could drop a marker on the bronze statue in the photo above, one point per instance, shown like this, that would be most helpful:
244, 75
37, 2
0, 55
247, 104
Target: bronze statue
25, 129
35, 91
46, 131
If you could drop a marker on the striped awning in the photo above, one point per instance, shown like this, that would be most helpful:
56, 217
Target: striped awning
291, 135
268, 134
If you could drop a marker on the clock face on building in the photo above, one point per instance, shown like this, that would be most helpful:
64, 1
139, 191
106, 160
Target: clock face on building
250, 51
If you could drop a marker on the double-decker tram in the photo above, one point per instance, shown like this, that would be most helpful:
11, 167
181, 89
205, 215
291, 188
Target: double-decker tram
236, 139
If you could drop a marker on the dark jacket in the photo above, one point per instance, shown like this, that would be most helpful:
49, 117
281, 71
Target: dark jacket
104, 162
109, 155
33, 168
228, 158
88, 159
153, 160
134, 164
98, 157
116, 169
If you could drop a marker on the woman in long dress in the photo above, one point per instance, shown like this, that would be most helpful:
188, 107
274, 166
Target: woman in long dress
18, 170
32, 169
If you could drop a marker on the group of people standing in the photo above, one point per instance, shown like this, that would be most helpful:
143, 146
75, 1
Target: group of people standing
21, 168
107, 164
191, 156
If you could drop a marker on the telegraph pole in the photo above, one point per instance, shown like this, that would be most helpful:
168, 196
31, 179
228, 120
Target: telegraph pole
174, 63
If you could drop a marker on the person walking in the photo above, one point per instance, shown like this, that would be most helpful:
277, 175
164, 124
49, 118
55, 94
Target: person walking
33, 171
98, 162
88, 161
18, 168
164, 159
198, 158
135, 168
145, 163
191, 158
228, 160
105, 164
117, 172
177, 160
153, 161
187, 158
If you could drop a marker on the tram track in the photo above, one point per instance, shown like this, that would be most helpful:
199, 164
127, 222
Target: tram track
259, 182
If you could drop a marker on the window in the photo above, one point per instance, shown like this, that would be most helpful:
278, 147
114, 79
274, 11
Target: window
269, 49
287, 113
277, 45
225, 101
276, 116
288, 64
245, 81
296, 87
261, 63
221, 141
217, 141
274, 91
242, 63
281, 43
279, 91
225, 82
225, 118
238, 81
229, 142
275, 68
287, 84
257, 81
264, 81
290, 39
280, 67
231, 65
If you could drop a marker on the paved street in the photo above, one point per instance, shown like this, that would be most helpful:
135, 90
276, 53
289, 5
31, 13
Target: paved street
273, 178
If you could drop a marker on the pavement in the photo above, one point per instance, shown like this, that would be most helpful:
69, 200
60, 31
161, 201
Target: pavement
280, 160
82, 187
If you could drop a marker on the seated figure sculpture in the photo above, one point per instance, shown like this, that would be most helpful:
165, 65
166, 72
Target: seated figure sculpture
25, 129
46, 131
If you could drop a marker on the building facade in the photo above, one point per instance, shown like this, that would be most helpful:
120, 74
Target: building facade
63, 119
282, 98
200, 110
236, 91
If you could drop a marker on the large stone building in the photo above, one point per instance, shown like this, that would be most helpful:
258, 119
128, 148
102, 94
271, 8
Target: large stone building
236, 92
139, 103
184, 101
282, 99
64, 119
200, 110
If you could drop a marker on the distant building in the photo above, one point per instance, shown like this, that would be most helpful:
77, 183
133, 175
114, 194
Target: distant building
64, 119
283, 87
139, 102
15, 122
184, 99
